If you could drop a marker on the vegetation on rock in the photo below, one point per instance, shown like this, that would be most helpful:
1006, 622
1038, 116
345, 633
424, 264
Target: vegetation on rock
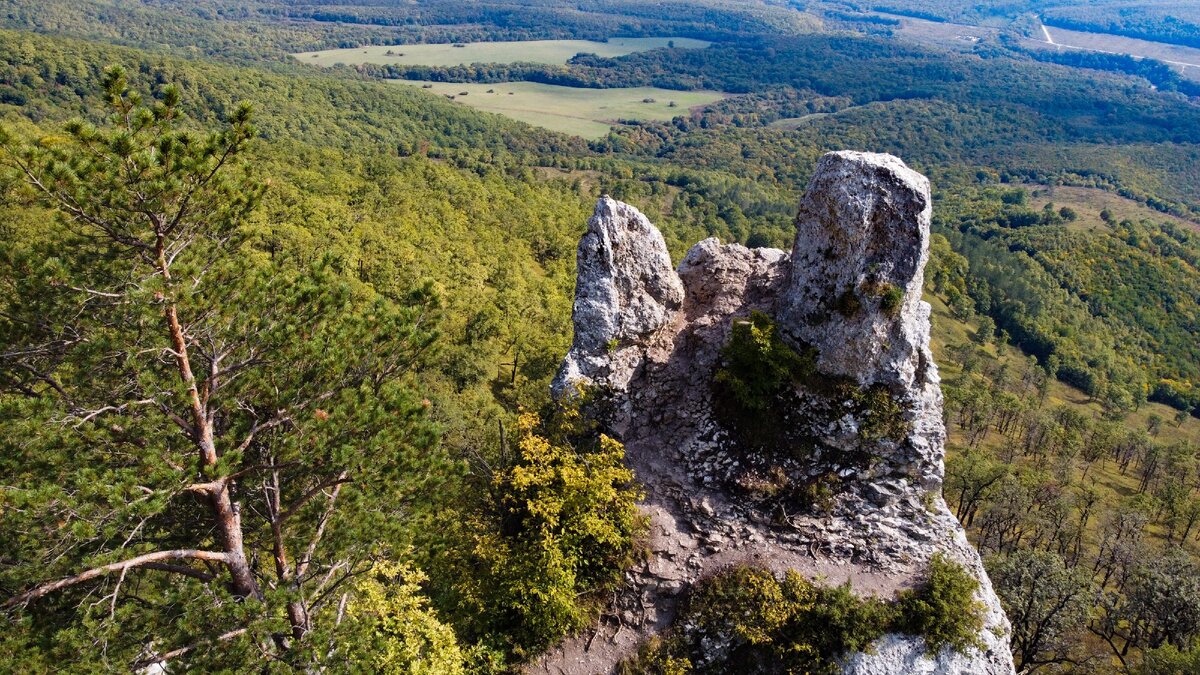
749, 617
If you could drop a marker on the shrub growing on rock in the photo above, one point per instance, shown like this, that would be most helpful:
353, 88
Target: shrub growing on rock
758, 365
943, 609
747, 620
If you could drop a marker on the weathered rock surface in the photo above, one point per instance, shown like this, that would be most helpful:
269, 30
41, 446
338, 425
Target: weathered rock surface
625, 291
650, 339
862, 232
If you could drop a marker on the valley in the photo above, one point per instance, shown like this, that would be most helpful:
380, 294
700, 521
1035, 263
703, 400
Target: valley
361, 224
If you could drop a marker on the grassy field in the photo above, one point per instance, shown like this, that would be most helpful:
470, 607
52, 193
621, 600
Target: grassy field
939, 33
530, 51
1184, 59
581, 112
959, 36
1089, 202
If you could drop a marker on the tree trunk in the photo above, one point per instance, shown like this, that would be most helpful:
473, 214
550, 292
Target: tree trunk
226, 514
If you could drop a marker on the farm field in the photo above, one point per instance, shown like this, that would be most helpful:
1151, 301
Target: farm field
1184, 59
589, 113
1089, 202
528, 51
939, 33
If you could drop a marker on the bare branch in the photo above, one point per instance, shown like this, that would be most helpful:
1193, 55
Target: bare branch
139, 561
302, 565
110, 408
144, 666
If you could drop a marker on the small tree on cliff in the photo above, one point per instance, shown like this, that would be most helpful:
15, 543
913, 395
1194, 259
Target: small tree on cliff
228, 434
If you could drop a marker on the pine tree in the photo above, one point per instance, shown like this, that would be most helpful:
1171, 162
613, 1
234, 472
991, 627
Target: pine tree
230, 435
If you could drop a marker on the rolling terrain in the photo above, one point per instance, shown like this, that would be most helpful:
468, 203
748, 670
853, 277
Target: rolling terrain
430, 201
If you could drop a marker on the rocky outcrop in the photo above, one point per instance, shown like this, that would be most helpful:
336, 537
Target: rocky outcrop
625, 292
857, 269
865, 431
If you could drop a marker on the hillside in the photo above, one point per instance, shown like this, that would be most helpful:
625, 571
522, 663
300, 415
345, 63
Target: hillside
362, 462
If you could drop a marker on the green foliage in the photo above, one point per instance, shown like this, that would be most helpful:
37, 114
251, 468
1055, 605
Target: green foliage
565, 531
176, 390
758, 366
795, 625
1170, 660
747, 603
1046, 602
837, 623
882, 415
1112, 305
943, 609
655, 657
374, 189
890, 299
394, 630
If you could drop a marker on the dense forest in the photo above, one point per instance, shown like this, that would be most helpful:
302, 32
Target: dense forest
367, 322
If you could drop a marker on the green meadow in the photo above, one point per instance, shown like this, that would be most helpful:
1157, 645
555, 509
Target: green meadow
589, 113
527, 51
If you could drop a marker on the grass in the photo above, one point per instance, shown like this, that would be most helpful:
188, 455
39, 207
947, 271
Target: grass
939, 33
529, 51
571, 110
1184, 59
792, 123
1089, 202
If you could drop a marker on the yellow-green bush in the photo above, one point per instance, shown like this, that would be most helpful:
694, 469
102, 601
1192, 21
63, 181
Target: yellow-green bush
398, 631
565, 530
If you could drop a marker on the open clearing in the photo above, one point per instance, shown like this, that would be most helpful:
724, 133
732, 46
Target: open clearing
1089, 202
527, 51
572, 110
939, 33
1184, 59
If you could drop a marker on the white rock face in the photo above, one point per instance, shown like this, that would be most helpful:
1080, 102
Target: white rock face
862, 233
625, 291
650, 339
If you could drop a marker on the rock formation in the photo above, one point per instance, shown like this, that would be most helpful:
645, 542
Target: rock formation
865, 431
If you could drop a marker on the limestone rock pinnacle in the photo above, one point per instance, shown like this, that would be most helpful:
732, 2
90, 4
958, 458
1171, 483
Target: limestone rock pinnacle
625, 291
862, 241
868, 422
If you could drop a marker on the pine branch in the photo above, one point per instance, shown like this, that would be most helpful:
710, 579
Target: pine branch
139, 561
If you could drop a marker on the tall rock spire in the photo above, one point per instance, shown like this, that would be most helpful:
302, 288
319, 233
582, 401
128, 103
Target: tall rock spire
860, 426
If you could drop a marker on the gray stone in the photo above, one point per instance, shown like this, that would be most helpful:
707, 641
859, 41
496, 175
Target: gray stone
650, 340
862, 232
625, 291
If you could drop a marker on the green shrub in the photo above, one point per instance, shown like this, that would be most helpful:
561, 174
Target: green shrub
943, 609
566, 531
882, 415
657, 656
891, 299
758, 366
848, 303
839, 622
796, 626
747, 603
392, 629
